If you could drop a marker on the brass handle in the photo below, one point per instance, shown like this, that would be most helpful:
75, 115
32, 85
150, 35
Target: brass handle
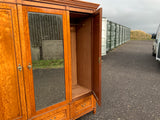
29, 66
19, 67
83, 105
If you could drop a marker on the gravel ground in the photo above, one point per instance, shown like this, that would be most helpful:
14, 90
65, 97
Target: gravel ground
130, 84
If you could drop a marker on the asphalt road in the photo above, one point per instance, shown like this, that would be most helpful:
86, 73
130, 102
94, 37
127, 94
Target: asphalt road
130, 84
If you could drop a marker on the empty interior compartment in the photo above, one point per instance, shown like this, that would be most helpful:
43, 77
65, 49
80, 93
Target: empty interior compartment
81, 53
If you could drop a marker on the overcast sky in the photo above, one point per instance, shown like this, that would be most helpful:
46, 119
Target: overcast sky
136, 14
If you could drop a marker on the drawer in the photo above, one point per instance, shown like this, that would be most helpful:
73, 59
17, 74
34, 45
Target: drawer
81, 106
59, 114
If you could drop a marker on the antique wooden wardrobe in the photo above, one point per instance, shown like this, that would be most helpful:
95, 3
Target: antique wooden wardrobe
50, 59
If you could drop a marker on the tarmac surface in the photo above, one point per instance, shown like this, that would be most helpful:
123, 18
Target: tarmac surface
130, 84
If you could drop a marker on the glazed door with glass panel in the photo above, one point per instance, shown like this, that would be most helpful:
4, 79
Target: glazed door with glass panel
45, 59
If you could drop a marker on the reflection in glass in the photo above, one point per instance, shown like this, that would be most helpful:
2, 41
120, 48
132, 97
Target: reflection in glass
46, 37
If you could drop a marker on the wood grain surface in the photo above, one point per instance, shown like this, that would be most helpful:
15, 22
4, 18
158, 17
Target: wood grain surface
26, 55
96, 54
17, 99
12, 99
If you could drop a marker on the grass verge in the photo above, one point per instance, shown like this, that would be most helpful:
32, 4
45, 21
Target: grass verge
44, 64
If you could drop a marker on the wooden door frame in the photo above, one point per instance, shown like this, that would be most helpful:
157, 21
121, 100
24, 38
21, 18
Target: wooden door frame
96, 56
17, 46
26, 55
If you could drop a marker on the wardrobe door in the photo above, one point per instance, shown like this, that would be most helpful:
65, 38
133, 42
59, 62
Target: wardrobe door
12, 98
45, 56
97, 33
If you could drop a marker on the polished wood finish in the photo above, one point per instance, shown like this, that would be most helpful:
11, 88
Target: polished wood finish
56, 114
81, 54
69, 56
74, 55
82, 106
84, 53
79, 106
12, 97
82, 40
78, 91
97, 27
71, 5
26, 55
94, 105
8, 1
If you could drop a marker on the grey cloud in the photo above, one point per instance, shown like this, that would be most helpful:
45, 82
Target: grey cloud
136, 14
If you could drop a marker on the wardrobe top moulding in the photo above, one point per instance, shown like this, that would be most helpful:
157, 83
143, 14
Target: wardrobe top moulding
69, 5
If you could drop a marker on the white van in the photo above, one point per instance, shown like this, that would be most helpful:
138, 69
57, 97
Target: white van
156, 45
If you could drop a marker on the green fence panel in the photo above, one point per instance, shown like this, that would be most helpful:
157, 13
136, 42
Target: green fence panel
116, 35
113, 33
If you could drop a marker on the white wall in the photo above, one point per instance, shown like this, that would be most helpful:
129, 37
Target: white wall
104, 36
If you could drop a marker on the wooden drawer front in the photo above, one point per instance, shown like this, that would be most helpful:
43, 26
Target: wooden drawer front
80, 106
83, 105
59, 114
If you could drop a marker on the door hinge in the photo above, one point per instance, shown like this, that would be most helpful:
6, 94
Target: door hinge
99, 60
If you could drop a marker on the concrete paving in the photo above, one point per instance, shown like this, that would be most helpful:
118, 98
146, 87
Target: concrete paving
130, 84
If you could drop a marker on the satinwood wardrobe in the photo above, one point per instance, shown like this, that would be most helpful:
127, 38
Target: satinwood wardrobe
50, 59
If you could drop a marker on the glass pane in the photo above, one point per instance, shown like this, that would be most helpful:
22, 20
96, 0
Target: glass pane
46, 36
